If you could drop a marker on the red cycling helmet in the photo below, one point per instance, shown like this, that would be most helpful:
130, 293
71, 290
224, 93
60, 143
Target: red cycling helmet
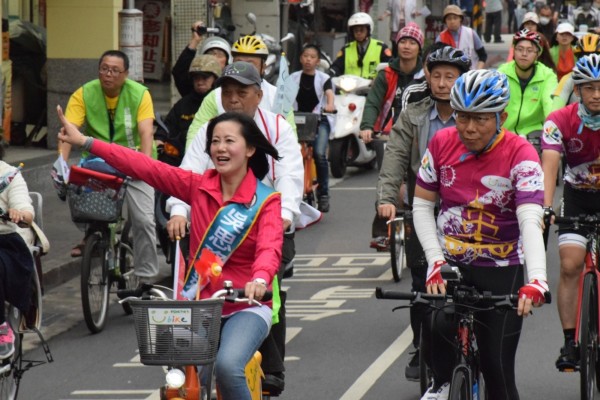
526, 34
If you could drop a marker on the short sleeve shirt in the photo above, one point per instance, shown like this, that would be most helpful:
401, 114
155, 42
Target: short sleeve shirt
581, 149
479, 195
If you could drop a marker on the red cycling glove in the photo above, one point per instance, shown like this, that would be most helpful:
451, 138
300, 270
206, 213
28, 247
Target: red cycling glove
534, 290
434, 277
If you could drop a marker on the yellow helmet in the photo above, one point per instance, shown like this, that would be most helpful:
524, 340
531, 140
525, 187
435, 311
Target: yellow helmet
588, 44
250, 45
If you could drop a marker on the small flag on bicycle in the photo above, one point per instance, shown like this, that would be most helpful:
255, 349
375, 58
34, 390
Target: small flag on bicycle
287, 89
178, 273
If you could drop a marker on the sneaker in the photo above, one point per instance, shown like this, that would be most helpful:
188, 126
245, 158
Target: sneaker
323, 204
412, 372
568, 360
7, 341
380, 243
437, 393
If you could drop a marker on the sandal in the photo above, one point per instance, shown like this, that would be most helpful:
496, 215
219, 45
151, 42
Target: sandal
77, 251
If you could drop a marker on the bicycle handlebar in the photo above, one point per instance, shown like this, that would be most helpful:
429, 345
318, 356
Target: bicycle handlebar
583, 219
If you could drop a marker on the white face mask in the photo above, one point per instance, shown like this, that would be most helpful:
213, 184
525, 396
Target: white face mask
544, 20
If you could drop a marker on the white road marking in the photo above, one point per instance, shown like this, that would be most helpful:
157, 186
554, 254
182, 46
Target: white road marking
368, 378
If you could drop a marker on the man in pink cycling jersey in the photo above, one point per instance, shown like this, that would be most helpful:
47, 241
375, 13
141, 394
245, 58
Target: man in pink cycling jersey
573, 130
489, 183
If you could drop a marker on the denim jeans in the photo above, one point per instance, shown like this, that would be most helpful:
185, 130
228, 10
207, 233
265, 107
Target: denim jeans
320, 156
241, 335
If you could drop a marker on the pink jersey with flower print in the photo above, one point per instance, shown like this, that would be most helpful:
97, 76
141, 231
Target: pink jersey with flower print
582, 150
479, 195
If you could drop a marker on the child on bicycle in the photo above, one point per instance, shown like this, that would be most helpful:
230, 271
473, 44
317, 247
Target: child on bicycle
233, 214
489, 183
315, 94
16, 263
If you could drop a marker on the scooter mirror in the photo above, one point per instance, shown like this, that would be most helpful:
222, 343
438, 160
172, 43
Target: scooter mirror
251, 18
289, 36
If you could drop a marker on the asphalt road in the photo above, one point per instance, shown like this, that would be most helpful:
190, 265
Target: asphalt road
342, 342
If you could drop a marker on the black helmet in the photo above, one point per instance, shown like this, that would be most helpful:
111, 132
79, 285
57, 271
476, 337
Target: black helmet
450, 56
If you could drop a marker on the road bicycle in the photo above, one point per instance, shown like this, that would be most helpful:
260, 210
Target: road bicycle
396, 242
588, 312
467, 382
184, 336
96, 199
13, 368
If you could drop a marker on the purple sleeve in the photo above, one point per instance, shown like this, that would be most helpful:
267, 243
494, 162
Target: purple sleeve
427, 177
527, 176
552, 136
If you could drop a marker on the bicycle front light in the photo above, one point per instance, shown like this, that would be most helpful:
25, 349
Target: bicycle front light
175, 378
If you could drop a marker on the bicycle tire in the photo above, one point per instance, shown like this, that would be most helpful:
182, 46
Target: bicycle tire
425, 375
588, 337
397, 249
10, 378
128, 279
94, 283
461, 387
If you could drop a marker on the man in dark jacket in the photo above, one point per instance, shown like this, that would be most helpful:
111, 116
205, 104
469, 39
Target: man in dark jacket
383, 103
203, 72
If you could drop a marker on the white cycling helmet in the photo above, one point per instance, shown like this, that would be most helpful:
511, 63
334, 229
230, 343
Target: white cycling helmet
480, 91
216, 42
361, 18
587, 69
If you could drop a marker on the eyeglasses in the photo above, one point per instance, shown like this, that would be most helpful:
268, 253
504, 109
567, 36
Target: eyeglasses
591, 89
528, 51
480, 120
109, 71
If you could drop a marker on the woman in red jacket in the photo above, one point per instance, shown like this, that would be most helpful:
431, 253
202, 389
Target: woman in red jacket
233, 214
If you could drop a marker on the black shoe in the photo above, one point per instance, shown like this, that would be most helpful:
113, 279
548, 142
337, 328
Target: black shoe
274, 383
568, 360
323, 204
289, 270
412, 372
499, 41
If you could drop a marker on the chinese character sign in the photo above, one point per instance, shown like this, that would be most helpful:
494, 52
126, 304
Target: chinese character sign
155, 15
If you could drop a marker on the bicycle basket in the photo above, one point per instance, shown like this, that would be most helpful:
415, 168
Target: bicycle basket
95, 196
177, 333
306, 126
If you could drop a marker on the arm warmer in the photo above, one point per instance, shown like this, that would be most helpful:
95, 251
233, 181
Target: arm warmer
426, 228
530, 224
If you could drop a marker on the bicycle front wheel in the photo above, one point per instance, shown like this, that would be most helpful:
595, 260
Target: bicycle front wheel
588, 337
94, 283
397, 248
9, 368
128, 279
461, 387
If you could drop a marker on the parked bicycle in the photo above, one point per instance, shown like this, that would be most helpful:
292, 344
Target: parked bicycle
467, 382
588, 312
184, 335
13, 368
96, 200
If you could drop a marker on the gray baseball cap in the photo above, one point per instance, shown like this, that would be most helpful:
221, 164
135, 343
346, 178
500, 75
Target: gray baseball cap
241, 71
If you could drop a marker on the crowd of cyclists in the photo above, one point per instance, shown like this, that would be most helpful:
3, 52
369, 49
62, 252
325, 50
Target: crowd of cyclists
459, 154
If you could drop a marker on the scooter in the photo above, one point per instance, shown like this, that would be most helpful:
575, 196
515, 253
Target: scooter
275, 47
345, 146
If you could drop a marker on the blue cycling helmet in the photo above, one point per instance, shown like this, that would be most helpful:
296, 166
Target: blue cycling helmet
587, 69
480, 91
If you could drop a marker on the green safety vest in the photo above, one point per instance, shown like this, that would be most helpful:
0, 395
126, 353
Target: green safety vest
370, 60
125, 116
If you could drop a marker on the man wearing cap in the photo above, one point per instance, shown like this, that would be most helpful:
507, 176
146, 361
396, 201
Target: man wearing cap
383, 102
203, 72
240, 87
462, 37
249, 49
531, 85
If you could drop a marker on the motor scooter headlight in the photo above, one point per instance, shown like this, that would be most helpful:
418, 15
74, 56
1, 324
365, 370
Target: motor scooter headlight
175, 378
347, 83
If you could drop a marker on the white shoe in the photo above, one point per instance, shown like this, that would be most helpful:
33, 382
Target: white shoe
441, 393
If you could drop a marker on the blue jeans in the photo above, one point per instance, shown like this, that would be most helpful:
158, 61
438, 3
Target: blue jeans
320, 156
241, 335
